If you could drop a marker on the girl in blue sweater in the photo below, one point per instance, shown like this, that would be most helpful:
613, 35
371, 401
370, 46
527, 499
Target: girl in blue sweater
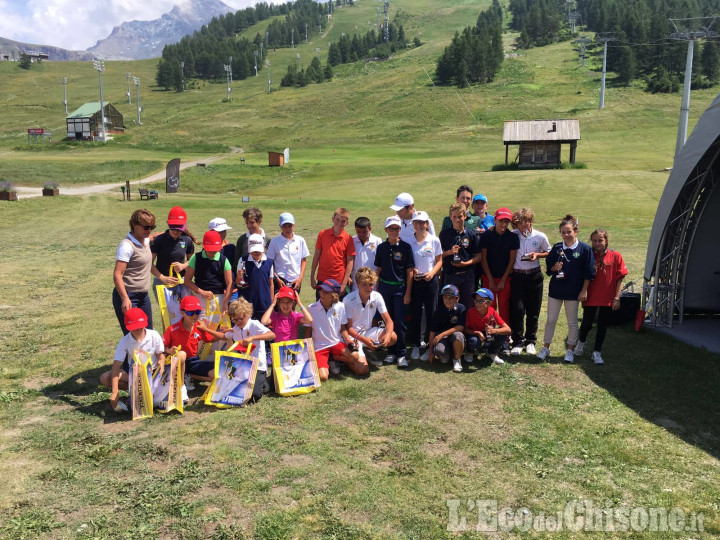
571, 267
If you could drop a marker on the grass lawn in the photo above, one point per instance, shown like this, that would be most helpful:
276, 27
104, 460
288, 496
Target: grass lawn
399, 454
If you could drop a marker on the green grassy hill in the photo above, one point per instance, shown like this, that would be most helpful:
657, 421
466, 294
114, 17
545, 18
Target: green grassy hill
375, 458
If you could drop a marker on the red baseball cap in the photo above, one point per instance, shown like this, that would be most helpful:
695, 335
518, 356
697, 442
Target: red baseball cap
212, 241
190, 303
503, 213
177, 216
286, 292
135, 318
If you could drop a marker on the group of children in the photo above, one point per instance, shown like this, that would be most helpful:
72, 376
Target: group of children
366, 286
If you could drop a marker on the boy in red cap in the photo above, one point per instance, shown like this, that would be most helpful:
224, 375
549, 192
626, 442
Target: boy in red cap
139, 337
499, 249
185, 335
286, 322
209, 273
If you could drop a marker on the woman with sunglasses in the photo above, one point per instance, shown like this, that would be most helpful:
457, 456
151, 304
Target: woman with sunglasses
172, 249
133, 266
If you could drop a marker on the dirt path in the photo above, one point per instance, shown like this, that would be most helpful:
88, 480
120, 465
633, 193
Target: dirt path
30, 192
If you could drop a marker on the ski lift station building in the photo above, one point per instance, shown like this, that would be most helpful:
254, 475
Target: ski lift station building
84, 123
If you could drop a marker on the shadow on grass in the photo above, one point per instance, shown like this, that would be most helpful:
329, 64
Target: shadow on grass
83, 392
667, 382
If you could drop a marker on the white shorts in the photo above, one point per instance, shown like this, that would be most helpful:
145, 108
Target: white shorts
372, 334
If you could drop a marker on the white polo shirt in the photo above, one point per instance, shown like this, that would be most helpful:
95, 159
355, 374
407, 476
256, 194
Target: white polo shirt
362, 316
425, 252
535, 242
152, 344
407, 232
251, 328
125, 251
364, 254
326, 325
287, 255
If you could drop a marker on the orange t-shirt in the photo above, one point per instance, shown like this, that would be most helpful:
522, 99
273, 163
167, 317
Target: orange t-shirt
333, 252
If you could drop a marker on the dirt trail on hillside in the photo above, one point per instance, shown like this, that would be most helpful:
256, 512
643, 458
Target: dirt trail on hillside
30, 192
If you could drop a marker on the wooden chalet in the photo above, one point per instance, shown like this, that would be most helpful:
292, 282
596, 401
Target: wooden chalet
540, 141
84, 123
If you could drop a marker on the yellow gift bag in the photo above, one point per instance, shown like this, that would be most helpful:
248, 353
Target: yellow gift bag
295, 368
169, 300
234, 380
139, 376
166, 385
214, 318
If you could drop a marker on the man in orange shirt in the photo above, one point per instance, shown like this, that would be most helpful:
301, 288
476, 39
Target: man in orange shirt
334, 253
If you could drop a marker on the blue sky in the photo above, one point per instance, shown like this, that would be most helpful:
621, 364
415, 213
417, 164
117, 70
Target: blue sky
78, 24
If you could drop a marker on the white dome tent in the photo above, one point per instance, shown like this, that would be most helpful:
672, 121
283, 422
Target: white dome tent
682, 267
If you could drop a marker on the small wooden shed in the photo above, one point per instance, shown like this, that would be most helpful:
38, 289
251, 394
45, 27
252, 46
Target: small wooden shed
540, 141
84, 123
276, 159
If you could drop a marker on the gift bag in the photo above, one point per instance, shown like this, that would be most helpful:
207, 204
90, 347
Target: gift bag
213, 319
139, 376
234, 380
166, 386
295, 369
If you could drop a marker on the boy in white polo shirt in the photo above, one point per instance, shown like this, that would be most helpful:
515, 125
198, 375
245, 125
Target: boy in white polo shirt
361, 306
288, 252
365, 245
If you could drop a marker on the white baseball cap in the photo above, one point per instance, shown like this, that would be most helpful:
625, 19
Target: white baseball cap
218, 224
393, 220
256, 243
286, 217
421, 215
401, 201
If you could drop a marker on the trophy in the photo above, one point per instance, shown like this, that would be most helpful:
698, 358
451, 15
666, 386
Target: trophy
241, 271
561, 274
456, 257
489, 338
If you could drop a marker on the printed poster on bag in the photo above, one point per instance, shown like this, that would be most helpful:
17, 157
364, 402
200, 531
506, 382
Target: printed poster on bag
295, 368
139, 376
234, 379
166, 385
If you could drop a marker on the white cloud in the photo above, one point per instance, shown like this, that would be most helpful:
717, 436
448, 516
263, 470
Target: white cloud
78, 24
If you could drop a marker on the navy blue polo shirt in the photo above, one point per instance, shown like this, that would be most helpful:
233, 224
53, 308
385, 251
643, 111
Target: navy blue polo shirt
169, 251
469, 243
394, 260
498, 248
444, 318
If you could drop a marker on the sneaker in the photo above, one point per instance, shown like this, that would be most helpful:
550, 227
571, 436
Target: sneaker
457, 365
516, 351
424, 357
469, 357
579, 348
423, 344
597, 358
402, 362
415, 354
183, 393
390, 358
189, 383
569, 356
497, 360
121, 406
530, 348
334, 367
505, 348
544, 353
374, 360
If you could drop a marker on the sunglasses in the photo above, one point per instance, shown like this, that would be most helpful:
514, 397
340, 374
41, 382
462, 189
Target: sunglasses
149, 227
193, 312
482, 300
175, 229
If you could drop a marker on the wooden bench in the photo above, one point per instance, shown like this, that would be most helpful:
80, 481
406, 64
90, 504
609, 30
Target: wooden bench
147, 194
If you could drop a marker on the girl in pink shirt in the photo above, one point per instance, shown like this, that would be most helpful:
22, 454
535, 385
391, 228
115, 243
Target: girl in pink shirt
286, 321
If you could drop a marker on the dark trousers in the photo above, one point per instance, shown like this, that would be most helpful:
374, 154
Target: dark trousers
424, 294
466, 284
137, 299
475, 346
393, 296
525, 302
260, 383
603, 317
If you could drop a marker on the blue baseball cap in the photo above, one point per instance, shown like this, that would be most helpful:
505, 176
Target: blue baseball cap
286, 217
450, 290
485, 293
330, 285
479, 197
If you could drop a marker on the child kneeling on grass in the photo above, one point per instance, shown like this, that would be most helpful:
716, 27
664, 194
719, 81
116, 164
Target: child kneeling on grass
330, 336
361, 307
286, 321
185, 335
139, 337
446, 329
248, 330
484, 327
